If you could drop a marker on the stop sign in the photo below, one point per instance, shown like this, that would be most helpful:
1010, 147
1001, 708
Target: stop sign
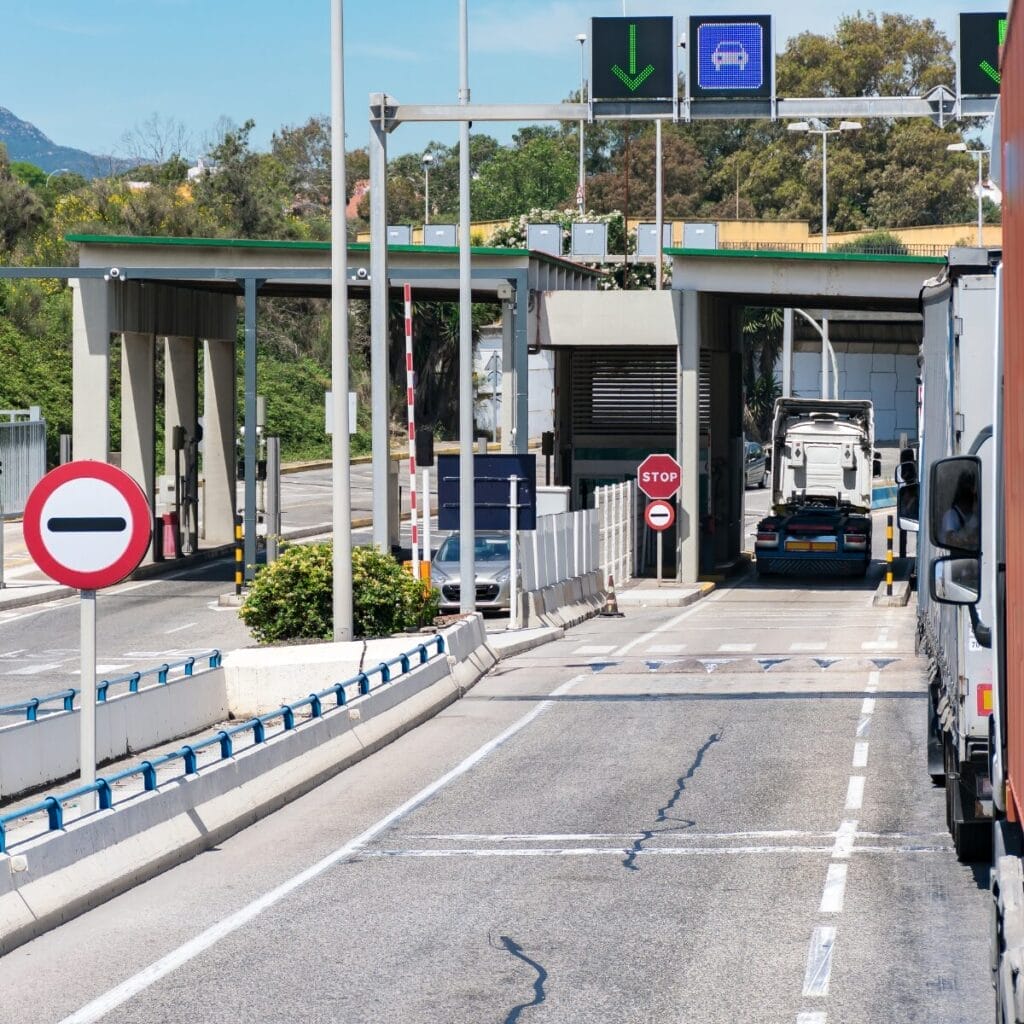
658, 476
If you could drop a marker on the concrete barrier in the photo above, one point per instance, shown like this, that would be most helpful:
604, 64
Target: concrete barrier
49, 879
40, 753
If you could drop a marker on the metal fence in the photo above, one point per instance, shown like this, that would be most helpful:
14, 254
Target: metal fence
616, 512
22, 457
910, 249
562, 547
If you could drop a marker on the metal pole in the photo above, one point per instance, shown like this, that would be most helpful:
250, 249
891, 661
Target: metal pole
888, 556
825, 368
239, 556
426, 515
824, 191
379, 335
251, 438
513, 547
659, 203
494, 397
981, 157
426, 197
273, 498
410, 406
87, 735
467, 525
787, 353
2, 583
581, 193
340, 441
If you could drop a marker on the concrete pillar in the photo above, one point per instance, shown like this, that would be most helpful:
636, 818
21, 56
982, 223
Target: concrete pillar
138, 410
688, 437
219, 441
508, 377
90, 361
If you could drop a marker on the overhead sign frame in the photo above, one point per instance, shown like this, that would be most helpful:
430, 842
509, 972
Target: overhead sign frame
633, 64
981, 35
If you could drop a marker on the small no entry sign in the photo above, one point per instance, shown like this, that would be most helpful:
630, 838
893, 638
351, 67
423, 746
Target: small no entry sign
660, 515
87, 524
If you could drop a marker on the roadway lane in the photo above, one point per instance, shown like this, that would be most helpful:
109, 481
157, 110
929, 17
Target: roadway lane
717, 815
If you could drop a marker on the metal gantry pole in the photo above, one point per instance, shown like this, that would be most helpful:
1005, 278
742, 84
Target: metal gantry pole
379, 331
273, 498
410, 406
513, 541
981, 157
659, 204
467, 567
251, 439
581, 191
824, 191
340, 440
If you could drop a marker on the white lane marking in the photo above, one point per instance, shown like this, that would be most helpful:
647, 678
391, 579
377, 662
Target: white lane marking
664, 627
879, 645
666, 648
810, 1018
868, 707
860, 755
835, 889
872, 681
809, 648
572, 837
845, 838
178, 629
102, 669
34, 670
13, 654
819, 961
597, 851
120, 994
736, 648
864, 726
855, 793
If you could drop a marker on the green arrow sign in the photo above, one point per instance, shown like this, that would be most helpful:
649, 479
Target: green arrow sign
981, 36
632, 80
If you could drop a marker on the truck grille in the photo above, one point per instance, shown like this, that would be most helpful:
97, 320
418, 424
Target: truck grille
811, 566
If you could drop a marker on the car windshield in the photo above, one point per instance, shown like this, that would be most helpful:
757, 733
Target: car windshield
485, 549
730, 47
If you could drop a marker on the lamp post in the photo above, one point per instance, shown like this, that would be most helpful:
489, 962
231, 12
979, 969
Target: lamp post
979, 157
427, 160
60, 170
816, 127
581, 196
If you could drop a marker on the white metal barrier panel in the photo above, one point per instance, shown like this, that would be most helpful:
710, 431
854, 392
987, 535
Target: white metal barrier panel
563, 546
615, 505
22, 457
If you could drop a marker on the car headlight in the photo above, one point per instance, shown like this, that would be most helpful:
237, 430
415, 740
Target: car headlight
438, 575
502, 577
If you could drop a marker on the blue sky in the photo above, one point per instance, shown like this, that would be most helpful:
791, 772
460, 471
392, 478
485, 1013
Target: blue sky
87, 73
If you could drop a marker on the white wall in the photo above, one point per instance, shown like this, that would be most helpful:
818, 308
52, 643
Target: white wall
541, 385
888, 379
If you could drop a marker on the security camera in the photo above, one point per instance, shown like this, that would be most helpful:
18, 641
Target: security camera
362, 273
115, 273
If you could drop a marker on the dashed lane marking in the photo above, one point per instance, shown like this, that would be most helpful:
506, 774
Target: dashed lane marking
819, 961
835, 889
855, 793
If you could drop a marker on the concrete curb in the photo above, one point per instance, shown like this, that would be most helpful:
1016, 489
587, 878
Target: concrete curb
900, 595
53, 878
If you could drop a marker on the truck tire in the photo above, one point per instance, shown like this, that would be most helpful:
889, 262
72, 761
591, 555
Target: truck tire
972, 839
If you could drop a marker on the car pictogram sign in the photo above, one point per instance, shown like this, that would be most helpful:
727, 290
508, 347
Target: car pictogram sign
658, 476
659, 515
87, 524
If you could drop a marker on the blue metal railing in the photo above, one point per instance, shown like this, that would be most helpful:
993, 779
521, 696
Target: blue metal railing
53, 806
67, 697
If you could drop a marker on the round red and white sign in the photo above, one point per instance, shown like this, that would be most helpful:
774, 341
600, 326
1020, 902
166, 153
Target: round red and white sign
87, 524
659, 515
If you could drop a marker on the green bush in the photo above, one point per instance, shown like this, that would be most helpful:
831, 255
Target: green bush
293, 598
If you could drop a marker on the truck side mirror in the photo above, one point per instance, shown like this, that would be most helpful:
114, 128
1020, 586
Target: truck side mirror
906, 473
954, 512
908, 515
956, 581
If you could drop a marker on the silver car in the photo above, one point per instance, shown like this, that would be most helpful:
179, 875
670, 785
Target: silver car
491, 559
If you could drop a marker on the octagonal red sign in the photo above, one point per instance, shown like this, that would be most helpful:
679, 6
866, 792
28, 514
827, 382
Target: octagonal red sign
659, 476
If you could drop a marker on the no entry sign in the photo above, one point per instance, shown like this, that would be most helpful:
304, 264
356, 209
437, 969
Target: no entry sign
659, 515
658, 476
87, 524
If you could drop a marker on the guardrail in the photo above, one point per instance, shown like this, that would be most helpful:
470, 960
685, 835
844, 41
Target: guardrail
67, 697
53, 806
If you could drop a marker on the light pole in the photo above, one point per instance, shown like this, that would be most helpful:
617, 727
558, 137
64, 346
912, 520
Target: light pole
60, 170
979, 157
426, 160
818, 128
581, 196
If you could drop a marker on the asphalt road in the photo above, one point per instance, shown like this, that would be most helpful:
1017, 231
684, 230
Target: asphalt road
714, 815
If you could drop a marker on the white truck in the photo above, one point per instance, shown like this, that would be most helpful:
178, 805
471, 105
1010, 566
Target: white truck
822, 469
956, 417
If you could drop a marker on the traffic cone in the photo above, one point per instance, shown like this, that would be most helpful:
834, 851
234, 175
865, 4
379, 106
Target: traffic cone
611, 606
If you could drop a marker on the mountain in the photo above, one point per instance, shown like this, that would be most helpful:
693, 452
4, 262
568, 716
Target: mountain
26, 142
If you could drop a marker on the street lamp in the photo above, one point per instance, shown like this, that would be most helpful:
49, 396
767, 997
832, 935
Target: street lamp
979, 156
580, 188
427, 160
818, 128
60, 170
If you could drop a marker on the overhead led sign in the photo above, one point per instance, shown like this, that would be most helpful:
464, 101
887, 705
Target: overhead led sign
731, 56
632, 59
981, 36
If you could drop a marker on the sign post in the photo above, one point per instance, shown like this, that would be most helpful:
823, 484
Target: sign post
513, 551
659, 516
87, 525
659, 477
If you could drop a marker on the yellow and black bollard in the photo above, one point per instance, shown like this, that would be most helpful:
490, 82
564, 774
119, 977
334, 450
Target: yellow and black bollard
239, 557
888, 556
